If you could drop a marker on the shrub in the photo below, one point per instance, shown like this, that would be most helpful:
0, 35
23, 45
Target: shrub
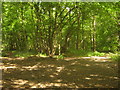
74, 52
41, 55
23, 53
95, 54
115, 57
60, 57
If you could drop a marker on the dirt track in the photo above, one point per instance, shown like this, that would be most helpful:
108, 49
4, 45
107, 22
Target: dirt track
37, 72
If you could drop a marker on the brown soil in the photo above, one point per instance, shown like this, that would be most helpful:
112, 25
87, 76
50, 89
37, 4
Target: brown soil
38, 72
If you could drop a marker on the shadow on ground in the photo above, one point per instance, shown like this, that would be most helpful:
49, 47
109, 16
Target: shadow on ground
38, 72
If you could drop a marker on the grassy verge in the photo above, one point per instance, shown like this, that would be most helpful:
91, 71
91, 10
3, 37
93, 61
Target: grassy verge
71, 53
81, 53
115, 57
18, 53
95, 54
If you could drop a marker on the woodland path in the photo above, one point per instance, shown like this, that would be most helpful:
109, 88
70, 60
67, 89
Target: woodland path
39, 72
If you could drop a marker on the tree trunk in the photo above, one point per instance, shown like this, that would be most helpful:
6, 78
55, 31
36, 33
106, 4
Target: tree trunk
83, 43
78, 29
94, 33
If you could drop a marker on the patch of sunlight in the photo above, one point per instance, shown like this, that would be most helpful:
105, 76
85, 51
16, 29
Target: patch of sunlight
94, 75
72, 58
82, 86
87, 65
43, 75
1, 81
7, 67
8, 58
52, 76
56, 73
98, 85
74, 70
44, 85
11, 64
101, 59
51, 65
34, 86
31, 84
57, 84
41, 55
20, 58
114, 77
85, 57
87, 78
68, 8
59, 69
10, 67
73, 85
49, 70
35, 67
20, 82
108, 67
58, 80
90, 84
97, 58
42, 66
74, 63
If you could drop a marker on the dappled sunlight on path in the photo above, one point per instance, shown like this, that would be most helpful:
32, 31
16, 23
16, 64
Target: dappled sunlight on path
39, 72
93, 58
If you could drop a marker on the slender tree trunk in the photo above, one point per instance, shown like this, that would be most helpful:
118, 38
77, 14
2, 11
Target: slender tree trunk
38, 32
91, 41
118, 30
50, 37
78, 29
83, 43
94, 33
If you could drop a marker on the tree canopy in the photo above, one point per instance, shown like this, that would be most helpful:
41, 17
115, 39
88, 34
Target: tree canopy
59, 27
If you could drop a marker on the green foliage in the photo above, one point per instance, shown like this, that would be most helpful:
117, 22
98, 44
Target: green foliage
27, 54
74, 52
115, 57
41, 55
49, 27
95, 54
60, 57
23, 53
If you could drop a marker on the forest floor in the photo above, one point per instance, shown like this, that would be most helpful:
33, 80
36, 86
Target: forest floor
45, 72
